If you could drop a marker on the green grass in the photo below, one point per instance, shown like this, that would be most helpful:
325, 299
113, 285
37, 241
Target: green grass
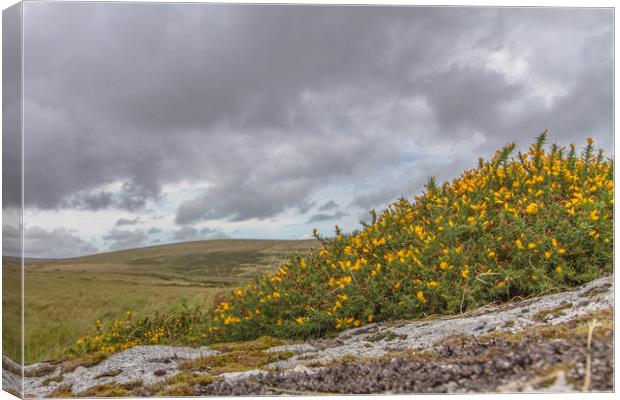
11, 308
64, 297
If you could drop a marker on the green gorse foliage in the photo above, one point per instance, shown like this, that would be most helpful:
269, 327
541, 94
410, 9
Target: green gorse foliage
516, 225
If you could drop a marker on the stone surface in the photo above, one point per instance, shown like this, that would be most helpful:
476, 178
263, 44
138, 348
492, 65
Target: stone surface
424, 334
293, 348
136, 364
235, 376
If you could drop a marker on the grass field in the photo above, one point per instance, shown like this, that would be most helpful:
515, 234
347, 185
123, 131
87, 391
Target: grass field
11, 308
64, 297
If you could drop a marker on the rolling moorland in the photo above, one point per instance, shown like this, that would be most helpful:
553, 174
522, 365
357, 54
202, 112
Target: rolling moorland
65, 296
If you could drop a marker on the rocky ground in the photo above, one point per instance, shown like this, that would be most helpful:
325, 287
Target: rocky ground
560, 342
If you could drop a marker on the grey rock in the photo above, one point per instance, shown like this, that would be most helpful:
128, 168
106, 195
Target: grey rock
136, 364
293, 348
235, 376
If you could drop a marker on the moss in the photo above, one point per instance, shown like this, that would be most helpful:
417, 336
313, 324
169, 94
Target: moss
63, 390
315, 364
57, 378
180, 389
516, 337
191, 377
108, 374
388, 336
262, 343
508, 324
349, 358
234, 361
181, 384
604, 325
552, 312
113, 389
87, 360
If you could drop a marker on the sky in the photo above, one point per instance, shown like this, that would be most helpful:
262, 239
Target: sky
158, 123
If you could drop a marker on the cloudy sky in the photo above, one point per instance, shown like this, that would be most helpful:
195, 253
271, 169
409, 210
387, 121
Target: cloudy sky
156, 123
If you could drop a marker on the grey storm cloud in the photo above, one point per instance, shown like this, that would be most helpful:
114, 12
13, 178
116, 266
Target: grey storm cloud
153, 231
119, 239
239, 203
39, 242
330, 205
327, 217
126, 221
270, 103
190, 233
11, 108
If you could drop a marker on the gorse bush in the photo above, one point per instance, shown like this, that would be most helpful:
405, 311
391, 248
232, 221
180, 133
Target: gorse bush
516, 225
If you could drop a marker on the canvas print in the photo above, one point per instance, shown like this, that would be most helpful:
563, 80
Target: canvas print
253, 199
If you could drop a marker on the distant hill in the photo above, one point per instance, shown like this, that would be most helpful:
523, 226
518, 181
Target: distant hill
65, 296
188, 261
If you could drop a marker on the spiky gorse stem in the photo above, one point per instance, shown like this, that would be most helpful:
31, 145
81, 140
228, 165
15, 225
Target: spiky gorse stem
510, 227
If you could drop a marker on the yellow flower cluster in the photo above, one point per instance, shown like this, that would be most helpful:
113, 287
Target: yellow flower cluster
516, 225
118, 335
496, 231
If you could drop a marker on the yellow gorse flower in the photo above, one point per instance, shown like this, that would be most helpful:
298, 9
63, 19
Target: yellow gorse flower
421, 297
532, 208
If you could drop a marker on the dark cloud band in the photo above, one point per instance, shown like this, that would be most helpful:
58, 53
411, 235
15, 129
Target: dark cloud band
270, 103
